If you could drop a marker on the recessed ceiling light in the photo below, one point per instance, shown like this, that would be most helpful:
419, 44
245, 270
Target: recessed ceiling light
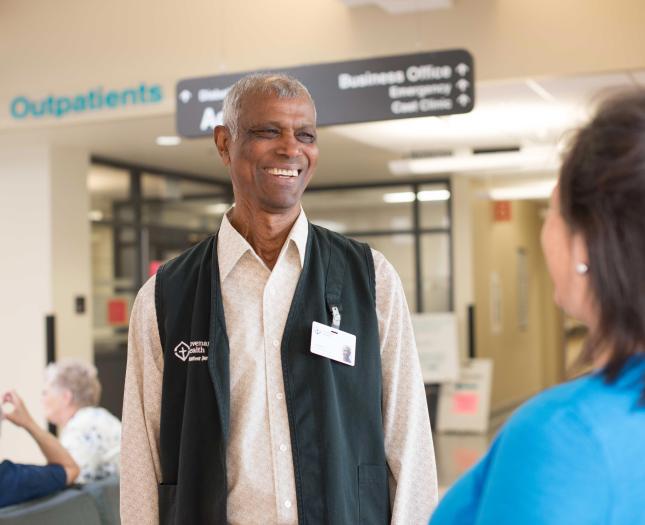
96, 215
168, 141
526, 191
533, 158
423, 196
398, 197
433, 195
539, 90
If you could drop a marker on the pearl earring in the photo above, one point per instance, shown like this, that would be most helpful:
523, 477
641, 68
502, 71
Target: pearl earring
581, 268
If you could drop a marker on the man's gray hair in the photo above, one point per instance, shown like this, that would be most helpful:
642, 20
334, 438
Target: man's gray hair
80, 378
273, 84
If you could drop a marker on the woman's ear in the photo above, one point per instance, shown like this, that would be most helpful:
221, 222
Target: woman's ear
579, 252
587, 310
67, 396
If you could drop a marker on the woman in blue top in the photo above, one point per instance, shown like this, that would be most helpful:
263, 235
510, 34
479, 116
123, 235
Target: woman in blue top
20, 482
575, 454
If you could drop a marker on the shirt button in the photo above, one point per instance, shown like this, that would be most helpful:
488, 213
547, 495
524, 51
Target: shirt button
279, 396
276, 343
271, 291
287, 504
283, 447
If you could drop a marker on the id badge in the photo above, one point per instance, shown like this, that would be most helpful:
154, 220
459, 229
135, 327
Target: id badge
331, 343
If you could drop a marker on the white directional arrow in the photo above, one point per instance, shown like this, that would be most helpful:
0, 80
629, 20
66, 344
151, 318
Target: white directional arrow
462, 69
462, 84
185, 96
463, 100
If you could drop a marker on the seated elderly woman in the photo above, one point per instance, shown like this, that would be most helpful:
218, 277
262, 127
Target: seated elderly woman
575, 454
90, 433
20, 482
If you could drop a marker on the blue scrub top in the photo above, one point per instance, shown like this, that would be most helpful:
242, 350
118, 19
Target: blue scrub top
574, 454
20, 483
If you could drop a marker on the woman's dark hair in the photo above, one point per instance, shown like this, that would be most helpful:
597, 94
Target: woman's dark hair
602, 197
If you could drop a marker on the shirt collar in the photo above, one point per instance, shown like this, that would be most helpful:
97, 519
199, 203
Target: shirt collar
299, 234
231, 246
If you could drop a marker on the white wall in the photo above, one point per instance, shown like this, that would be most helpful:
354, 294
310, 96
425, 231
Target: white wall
525, 354
71, 257
462, 259
45, 260
25, 283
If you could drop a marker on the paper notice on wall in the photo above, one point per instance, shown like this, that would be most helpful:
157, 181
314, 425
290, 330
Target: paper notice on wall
464, 406
522, 290
438, 347
495, 303
465, 403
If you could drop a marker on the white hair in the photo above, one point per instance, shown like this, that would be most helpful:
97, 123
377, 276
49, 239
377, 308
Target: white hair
80, 378
273, 84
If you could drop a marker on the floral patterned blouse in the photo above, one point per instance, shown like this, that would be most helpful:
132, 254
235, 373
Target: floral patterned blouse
93, 438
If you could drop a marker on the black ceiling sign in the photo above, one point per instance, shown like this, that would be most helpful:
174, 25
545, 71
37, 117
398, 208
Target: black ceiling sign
386, 88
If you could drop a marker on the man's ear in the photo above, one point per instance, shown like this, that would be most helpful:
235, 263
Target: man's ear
222, 138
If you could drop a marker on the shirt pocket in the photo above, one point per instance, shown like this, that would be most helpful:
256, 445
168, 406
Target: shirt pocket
373, 497
167, 503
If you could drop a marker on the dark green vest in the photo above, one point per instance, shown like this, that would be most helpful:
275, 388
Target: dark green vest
335, 416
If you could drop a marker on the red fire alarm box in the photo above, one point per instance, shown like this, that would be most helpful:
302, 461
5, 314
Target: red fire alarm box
502, 211
117, 311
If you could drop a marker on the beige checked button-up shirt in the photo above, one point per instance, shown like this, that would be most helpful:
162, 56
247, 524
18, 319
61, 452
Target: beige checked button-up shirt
261, 486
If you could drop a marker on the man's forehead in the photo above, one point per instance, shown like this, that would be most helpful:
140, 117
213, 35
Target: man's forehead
261, 97
263, 105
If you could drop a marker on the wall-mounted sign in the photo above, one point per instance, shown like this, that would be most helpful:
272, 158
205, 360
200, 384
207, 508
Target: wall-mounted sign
58, 106
438, 346
386, 88
464, 406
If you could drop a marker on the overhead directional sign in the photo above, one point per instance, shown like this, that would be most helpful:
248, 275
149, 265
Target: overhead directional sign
394, 87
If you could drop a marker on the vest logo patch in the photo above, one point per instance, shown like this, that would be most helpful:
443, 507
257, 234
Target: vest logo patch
195, 351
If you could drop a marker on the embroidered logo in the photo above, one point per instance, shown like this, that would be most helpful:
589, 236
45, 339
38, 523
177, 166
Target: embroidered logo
195, 351
182, 351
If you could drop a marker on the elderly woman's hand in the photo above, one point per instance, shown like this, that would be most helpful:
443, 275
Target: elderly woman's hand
20, 416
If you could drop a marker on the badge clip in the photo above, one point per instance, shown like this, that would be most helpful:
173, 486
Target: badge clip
335, 323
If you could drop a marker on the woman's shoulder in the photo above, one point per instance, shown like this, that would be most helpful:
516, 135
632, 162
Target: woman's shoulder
560, 450
561, 399
549, 416
558, 405
587, 407
590, 397
530, 461
91, 416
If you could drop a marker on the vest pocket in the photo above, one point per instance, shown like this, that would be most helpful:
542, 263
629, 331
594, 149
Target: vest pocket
373, 497
167, 507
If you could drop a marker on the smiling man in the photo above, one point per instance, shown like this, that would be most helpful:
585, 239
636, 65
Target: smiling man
272, 373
